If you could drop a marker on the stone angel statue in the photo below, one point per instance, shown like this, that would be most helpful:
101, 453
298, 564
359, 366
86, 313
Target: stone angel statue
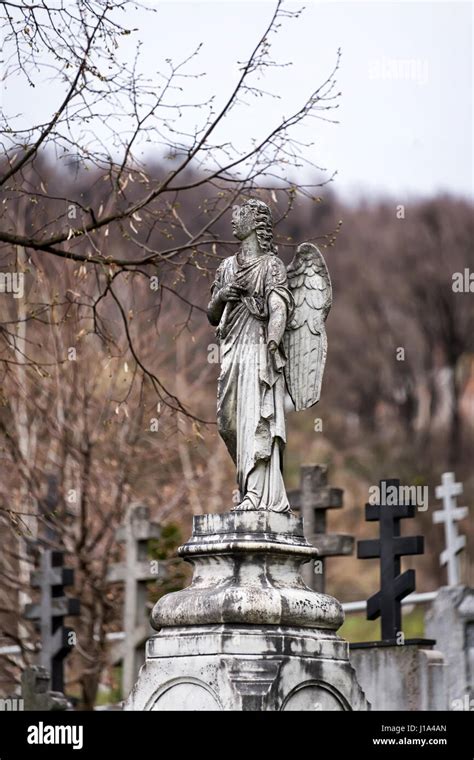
270, 325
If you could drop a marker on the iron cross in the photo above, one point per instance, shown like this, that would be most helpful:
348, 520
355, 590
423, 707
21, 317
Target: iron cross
50, 612
389, 548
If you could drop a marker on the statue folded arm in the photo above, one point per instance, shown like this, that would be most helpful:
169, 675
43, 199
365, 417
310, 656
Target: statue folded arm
277, 316
221, 295
280, 306
215, 309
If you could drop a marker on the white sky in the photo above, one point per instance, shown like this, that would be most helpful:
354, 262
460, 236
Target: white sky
397, 135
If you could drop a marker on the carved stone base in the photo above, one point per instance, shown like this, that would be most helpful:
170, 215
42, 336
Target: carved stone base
247, 570
246, 668
247, 634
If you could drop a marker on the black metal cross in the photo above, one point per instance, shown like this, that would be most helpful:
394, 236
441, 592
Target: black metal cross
50, 612
394, 585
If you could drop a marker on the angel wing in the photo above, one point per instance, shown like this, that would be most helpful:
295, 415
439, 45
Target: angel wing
305, 340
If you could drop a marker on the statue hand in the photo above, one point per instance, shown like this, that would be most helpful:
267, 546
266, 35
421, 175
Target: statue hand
276, 359
230, 293
272, 346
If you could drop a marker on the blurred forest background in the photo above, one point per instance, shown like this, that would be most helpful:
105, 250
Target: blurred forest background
108, 379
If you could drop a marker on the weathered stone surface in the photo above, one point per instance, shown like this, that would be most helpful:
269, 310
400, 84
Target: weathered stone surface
247, 570
247, 634
246, 668
450, 620
36, 692
404, 677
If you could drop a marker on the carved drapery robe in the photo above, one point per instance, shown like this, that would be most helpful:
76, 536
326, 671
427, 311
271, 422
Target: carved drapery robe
251, 389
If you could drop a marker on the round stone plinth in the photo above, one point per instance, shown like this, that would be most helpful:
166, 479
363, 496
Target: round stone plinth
247, 570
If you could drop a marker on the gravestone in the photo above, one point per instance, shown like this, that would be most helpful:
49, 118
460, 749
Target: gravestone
449, 515
404, 677
450, 618
134, 572
36, 692
50, 611
312, 500
396, 673
248, 633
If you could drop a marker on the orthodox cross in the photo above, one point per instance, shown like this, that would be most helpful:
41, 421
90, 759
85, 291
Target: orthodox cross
389, 548
312, 500
134, 572
451, 513
48, 507
50, 611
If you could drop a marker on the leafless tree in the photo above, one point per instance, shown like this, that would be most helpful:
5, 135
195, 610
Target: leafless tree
116, 195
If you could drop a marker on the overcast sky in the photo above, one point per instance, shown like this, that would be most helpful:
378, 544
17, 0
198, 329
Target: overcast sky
406, 79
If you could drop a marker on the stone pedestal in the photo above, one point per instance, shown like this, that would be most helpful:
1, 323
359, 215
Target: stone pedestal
409, 676
451, 621
247, 634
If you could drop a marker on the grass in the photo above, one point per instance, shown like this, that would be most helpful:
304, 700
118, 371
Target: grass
356, 628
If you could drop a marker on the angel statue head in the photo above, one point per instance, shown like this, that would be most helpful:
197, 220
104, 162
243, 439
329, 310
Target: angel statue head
254, 216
